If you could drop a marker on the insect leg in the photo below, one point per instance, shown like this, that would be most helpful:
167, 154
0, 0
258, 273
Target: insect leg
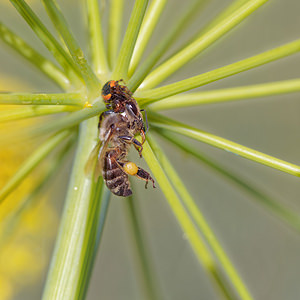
142, 132
144, 175
130, 140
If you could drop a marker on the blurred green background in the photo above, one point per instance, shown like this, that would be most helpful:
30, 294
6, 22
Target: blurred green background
263, 249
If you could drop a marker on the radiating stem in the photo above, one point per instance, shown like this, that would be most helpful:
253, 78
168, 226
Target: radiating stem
9, 115
195, 212
31, 163
34, 57
196, 241
65, 122
174, 33
42, 99
77, 54
204, 41
114, 30
229, 94
49, 41
233, 6
136, 18
96, 220
167, 124
140, 251
226, 71
150, 21
77, 240
96, 41
288, 216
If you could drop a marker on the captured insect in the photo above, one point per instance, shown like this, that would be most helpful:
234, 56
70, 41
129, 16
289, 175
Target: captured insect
119, 99
117, 128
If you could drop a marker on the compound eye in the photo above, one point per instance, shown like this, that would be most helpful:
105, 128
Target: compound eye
133, 107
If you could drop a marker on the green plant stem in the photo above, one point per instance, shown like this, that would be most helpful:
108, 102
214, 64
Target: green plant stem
141, 257
19, 113
229, 94
42, 99
31, 163
76, 243
216, 20
77, 54
232, 7
49, 41
164, 123
149, 96
204, 228
97, 47
204, 41
176, 30
133, 28
31, 55
150, 21
65, 122
288, 216
114, 30
196, 241
96, 220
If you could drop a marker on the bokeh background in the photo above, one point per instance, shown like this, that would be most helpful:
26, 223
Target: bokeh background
263, 249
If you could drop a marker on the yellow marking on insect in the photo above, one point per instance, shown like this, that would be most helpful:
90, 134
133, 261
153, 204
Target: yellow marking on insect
87, 105
131, 168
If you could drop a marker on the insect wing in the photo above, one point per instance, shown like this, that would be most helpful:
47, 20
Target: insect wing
100, 160
90, 164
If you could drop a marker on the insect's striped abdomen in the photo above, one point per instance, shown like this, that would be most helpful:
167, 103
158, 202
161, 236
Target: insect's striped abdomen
116, 180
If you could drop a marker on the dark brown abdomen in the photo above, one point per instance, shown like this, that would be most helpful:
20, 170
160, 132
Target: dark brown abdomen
116, 180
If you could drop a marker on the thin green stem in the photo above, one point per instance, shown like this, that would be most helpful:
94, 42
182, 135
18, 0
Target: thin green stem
133, 28
19, 113
65, 122
150, 21
141, 257
77, 54
49, 41
226, 71
180, 59
230, 94
175, 31
216, 20
96, 220
231, 8
32, 162
195, 212
42, 99
96, 41
288, 216
197, 243
164, 123
114, 30
76, 243
34, 57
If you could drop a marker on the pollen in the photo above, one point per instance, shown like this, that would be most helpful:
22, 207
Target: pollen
131, 168
87, 105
